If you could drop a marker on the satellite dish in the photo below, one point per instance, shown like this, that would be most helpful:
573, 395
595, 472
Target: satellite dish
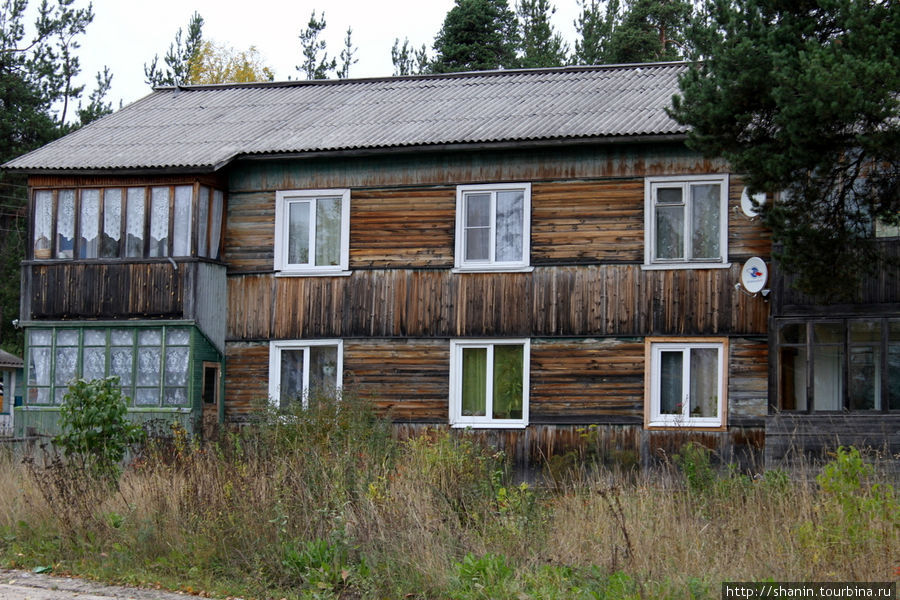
754, 275
747, 202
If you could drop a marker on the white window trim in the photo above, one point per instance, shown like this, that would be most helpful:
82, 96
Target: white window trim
281, 225
457, 420
460, 263
275, 348
652, 381
650, 183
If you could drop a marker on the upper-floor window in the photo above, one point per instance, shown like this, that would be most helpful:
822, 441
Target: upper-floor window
686, 221
312, 231
127, 222
493, 227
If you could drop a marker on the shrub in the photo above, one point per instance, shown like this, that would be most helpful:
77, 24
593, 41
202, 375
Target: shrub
96, 432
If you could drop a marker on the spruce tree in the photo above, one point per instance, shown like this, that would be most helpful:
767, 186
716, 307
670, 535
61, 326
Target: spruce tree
804, 98
477, 35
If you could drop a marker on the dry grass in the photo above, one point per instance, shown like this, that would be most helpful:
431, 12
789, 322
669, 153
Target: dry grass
327, 505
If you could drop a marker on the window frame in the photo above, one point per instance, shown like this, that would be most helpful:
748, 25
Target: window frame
457, 419
461, 265
651, 184
283, 198
653, 419
275, 349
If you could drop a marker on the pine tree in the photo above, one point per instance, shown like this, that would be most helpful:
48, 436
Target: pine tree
348, 55
804, 97
178, 58
649, 30
407, 60
539, 45
316, 64
594, 27
476, 35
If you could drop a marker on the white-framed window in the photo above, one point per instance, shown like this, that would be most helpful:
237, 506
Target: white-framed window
312, 231
686, 383
493, 227
686, 221
489, 383
304, 369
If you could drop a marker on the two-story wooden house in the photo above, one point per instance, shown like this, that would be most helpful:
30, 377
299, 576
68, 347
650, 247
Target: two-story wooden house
523, 253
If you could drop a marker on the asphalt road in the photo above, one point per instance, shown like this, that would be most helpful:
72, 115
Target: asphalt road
23, 585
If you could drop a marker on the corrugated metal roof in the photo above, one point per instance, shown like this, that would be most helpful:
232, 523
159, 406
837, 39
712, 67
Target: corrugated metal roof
207, 126
10, 361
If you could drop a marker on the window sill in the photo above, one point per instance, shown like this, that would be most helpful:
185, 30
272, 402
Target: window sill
683, 427
684, 265
495, 425
336, 273
492, 269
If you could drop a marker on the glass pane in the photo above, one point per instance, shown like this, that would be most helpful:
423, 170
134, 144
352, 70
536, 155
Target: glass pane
93, 363
792, 378
149, 337
705, 226
39, 366
177, 365
291, 385
704, 382
178, 337
474, 382
298, 233
39, 396
865, 378
39, 337
828, 392
671, 386
670, 232
865, 331
668, 195
893, 359
477, 227
828, 333
510, 209
146, 397
59, 395
67, 337
66, 365
159, 221
894, 330
121, 362
134, 223
328, 231
203, 222
112, 223
43, 223
65, 223
121, 337
181, 245
94, 337
792, 333
175, 396
148, 366
215, 224
90, 224
508, 361
322, 370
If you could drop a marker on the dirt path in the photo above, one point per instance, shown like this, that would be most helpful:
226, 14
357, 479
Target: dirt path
23, 585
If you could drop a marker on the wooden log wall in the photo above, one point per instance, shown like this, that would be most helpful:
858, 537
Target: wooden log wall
579, 381
590, 300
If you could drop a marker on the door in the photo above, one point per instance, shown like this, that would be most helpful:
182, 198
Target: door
211, 399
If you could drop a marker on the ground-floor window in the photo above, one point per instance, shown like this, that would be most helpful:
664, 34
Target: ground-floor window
685, 382
152, 363
489, 383
303, 369
838, 364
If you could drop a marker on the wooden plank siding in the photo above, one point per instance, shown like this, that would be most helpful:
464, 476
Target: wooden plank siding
571, 380
590, 300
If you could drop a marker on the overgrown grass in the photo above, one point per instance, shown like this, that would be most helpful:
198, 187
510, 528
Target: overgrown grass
326, 504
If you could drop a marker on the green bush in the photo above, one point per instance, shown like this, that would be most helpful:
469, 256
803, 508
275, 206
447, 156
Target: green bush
96, 432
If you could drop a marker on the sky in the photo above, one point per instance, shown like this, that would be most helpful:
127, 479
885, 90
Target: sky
125, 34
